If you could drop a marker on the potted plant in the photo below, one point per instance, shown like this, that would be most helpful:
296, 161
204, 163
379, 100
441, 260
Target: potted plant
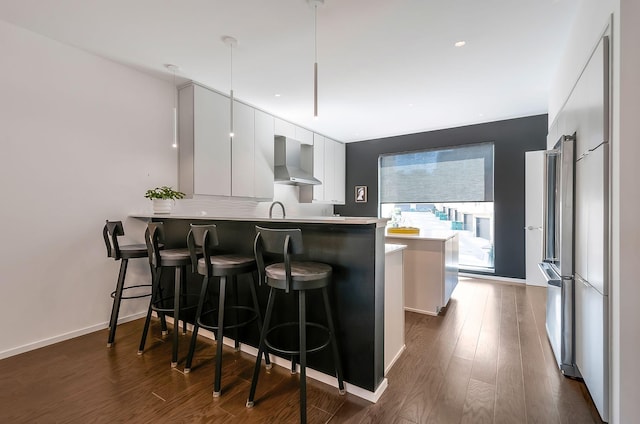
163, 198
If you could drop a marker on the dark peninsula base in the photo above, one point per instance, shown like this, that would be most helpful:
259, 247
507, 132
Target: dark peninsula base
356, 252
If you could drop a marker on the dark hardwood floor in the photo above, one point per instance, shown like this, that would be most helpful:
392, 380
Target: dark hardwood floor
486, 359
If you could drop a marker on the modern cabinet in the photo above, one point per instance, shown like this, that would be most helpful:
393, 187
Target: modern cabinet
242, 151
204, 144
318, 167
328, 167
592, 355
263, 159
211, 162
393, 305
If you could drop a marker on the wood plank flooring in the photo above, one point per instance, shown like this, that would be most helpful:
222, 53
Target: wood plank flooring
486, 359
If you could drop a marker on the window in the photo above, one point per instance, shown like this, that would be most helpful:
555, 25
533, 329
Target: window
450, 188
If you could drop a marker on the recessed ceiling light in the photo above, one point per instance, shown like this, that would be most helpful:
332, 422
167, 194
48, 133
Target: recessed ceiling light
460, 43
410, 104
277, 95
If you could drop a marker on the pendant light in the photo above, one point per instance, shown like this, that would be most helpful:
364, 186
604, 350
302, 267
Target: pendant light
231, 42
174, 69
315, 4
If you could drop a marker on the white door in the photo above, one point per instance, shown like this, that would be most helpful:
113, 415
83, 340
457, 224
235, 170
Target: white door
534, 180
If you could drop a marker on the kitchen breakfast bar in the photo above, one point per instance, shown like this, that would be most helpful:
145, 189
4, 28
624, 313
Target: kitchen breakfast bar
355, 249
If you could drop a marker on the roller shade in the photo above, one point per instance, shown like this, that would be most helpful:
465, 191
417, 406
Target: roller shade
453, 174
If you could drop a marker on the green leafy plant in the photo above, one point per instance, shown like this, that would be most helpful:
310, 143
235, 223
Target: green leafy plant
164, 192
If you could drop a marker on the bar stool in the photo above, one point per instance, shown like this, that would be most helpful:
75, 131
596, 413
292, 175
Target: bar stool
204, 238
159, 259
297, 276
111, 231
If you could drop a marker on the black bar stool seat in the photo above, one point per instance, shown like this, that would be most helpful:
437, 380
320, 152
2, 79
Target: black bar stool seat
160, 259
297, 276
224, 266
111, 231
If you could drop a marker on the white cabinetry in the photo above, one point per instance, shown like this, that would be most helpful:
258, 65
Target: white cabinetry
263, 168
318, 167
213, 163
393, 305
328, 167
284, 128
204, 146
242, 151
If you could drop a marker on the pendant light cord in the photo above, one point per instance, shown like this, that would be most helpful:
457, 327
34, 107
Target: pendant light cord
315, 64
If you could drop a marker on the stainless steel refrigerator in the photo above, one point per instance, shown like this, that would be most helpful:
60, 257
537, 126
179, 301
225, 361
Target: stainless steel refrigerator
557, 266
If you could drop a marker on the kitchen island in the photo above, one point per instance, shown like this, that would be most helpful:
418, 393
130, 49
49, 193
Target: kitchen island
430, 269
354, 247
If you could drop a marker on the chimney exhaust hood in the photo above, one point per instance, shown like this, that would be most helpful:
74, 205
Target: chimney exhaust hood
287, 163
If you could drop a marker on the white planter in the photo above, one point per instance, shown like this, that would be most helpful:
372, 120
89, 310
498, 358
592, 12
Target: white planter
162, 205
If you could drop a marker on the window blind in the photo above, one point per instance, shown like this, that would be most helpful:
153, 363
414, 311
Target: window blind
452, 174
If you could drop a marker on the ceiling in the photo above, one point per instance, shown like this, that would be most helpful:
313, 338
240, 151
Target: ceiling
386, 67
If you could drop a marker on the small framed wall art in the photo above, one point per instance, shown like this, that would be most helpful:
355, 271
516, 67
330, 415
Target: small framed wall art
361, 194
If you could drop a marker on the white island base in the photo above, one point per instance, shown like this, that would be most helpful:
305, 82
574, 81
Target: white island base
430, 270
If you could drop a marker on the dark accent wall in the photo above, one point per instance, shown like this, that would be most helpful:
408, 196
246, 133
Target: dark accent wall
511, 138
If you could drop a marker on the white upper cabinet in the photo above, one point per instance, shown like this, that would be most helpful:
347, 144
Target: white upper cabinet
340, 169
318, 167
284, 128
242, 151
334, 171
328, 167
204, 146
263, 167
211, 162
304, 136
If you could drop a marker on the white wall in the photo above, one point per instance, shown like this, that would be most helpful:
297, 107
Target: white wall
625, 174
81, 138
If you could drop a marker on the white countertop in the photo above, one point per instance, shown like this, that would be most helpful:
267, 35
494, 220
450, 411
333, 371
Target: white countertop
391, 248
436, 235
358, 220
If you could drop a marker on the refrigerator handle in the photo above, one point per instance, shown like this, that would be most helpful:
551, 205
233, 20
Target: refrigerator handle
553, 279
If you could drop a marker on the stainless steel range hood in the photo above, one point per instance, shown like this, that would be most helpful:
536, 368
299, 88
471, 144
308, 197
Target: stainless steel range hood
287, 163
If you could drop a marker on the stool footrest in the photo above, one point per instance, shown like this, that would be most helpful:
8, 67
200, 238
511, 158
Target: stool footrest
280, 350
169, 301
214, 312
137, 296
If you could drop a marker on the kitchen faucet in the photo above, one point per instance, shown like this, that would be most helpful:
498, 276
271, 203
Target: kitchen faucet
271, 209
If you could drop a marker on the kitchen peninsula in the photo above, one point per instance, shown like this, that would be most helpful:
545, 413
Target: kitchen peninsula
354, 247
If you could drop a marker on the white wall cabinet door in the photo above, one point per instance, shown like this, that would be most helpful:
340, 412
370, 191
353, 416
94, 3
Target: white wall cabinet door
263, 159
242, 151
329, 170
318, 167
284, 128
211, 143
303, 136
340, 173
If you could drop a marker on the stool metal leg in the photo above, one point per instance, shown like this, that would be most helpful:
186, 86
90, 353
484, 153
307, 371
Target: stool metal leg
303, 356
261, 348
334, 342
154, 293
183, 286
176, 316
196, 324
219, 341
256, 306
234, 295
163, 321
115, 309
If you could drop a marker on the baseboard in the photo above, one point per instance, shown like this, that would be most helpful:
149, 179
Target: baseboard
66, 336
493, 277
395, 358
311, 373
420, 311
